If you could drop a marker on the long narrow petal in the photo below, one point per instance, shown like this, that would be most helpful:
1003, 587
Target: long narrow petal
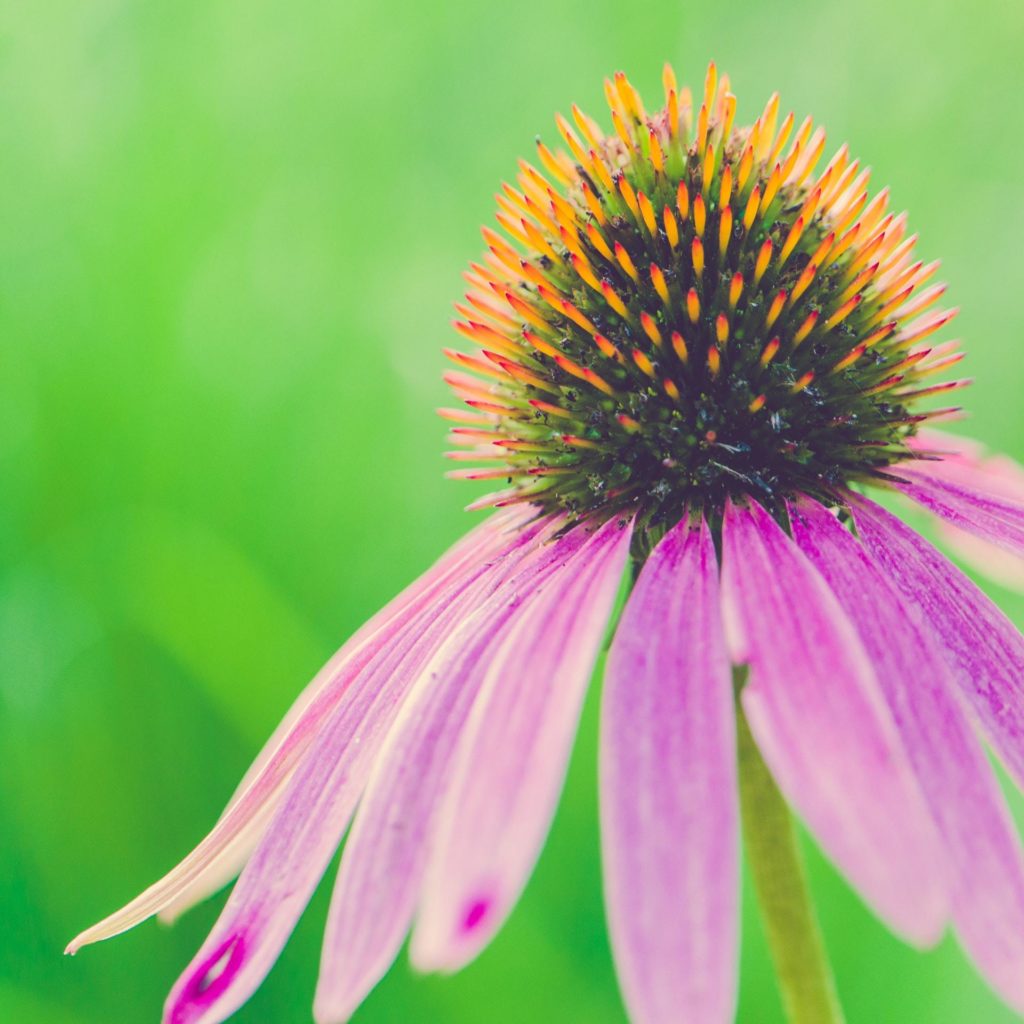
993, 519
821, 722
230, 860
965, 464
669, 831
278, 880
382, 866
983, 852
467, 551
983, 648
229, 837
512, 758
992, 561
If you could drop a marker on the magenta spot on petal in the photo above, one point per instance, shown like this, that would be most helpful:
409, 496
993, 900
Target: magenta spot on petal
211, 977
475, 913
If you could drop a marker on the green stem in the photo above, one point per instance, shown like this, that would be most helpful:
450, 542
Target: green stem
798, 952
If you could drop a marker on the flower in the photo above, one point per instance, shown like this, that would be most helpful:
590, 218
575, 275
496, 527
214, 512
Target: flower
697, 354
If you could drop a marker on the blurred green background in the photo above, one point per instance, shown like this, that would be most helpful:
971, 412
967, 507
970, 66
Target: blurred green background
230, 236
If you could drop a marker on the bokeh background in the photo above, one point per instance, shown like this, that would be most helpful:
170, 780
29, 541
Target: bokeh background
230, 235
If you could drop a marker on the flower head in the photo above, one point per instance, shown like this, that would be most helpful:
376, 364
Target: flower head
684, 310
698, 351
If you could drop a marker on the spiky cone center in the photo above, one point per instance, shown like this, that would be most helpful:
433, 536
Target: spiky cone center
682, 311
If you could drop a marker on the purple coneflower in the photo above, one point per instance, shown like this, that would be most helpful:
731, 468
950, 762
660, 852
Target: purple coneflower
698, 353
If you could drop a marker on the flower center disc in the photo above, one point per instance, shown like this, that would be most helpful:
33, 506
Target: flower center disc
683, 311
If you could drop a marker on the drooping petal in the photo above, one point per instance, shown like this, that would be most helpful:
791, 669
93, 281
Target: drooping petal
279, 878
669, 805
991, 518
467, 551
512, 758
992, 561
227, 864
930, 442
232, 837
983, 852
983, 648
965, 464
382, 866
822, 725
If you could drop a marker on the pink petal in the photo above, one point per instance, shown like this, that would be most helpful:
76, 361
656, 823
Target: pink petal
983, 648
822, 725
227, 846
278, 880
669, 793
993, 519
985, 861
231, 858
937, 442
965, 464
466, 552
990, 560
382, 867
512, 757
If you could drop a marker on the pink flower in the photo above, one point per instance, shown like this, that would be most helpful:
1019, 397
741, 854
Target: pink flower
696, 362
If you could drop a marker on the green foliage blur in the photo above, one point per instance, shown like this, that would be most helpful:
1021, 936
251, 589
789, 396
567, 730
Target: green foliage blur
230, 235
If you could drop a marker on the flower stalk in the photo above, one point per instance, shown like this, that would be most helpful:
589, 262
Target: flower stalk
780, 880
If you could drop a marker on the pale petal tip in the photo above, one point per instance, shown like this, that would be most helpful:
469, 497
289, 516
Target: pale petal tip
105, 929
338, 996
338, 1009
87, 938
930, 927
175, 910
